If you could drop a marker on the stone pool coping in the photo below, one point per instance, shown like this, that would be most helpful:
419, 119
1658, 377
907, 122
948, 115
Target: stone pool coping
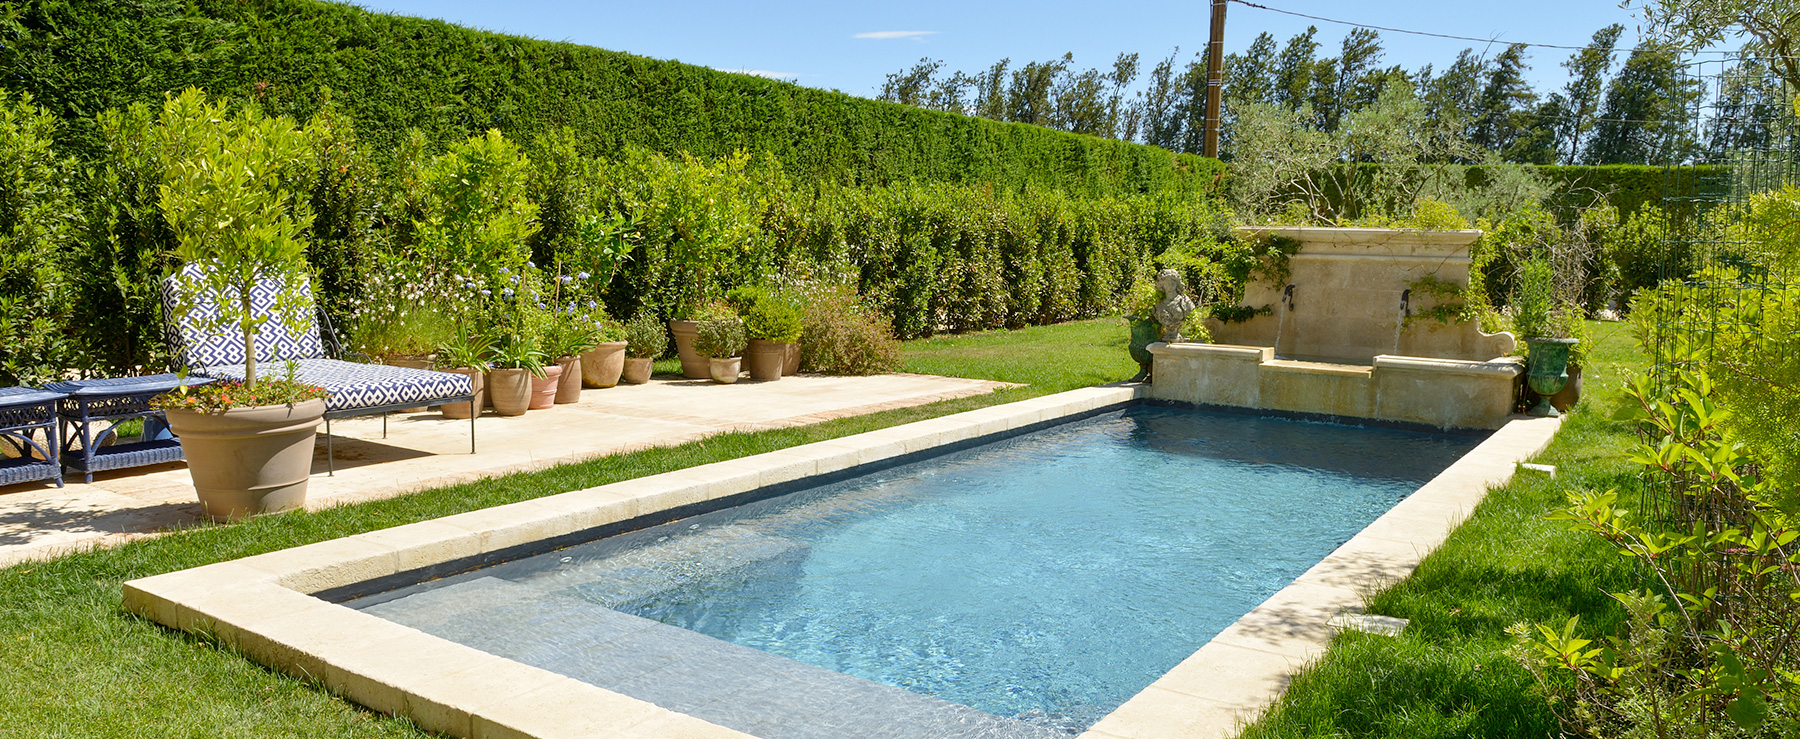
264, 606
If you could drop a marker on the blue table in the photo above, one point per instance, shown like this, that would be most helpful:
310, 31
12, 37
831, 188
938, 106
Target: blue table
23, 413
109, 402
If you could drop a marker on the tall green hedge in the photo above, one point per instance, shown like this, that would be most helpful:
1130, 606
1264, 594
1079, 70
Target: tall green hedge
391, 74
1631, 186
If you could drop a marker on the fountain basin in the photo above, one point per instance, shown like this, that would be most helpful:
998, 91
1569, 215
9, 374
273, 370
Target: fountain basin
1440, 393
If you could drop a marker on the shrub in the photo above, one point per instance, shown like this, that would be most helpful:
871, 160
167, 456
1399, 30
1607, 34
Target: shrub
646, 337
35, 221
720, 335
474, 212
843, 336
768, 315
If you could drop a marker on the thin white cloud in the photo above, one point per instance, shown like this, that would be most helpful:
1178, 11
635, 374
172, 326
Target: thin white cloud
762, 73
914, 35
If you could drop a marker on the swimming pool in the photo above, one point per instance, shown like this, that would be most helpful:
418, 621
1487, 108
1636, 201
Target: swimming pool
1024, 587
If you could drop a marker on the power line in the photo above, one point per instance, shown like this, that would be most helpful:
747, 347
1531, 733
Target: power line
1475, 39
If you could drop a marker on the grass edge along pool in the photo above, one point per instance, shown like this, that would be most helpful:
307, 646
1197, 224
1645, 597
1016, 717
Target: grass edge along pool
261, 606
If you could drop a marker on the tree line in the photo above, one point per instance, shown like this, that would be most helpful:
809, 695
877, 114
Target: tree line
1618, 105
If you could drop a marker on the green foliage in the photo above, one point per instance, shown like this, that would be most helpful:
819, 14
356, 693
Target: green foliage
1705, 650
844, 336
474, 210
577, 234
646, 337
390, 74
228, 203
1533, 302
401, 312
217, 397
466, 349
774, 318
36, 223
720, 334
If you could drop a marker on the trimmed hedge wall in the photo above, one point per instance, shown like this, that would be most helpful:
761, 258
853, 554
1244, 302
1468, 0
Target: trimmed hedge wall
1631, 186
391, 73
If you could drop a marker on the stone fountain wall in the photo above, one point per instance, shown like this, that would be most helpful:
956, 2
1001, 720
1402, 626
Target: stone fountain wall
1337, 343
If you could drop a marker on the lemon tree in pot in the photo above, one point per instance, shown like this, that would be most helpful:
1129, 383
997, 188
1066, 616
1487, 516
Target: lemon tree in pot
249, 445
720, 338
646, 338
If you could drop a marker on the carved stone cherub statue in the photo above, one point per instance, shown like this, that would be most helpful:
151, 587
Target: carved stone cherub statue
1173, 309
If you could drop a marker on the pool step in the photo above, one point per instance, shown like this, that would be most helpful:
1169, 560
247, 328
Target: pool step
730, 685
680, 566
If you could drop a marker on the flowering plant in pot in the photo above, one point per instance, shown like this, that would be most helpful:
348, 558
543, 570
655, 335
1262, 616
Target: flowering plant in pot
467, 353
571, 333
517, 361
249, 445
720, 338
646, 338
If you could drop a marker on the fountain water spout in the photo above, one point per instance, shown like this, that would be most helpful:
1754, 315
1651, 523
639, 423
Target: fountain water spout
1287, 304
1400, 320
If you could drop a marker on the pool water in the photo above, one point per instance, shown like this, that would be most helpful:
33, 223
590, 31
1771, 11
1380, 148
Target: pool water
1044, 578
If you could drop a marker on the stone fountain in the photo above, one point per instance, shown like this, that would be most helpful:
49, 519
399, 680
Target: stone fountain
1336, 341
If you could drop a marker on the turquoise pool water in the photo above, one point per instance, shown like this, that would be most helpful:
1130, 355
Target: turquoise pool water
1043, 579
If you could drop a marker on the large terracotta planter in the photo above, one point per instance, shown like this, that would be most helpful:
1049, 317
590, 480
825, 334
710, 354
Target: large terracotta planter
602, 365
420, 362
509, 390
543, 389
568, 384
724, 370
792, 365
637, 370
246, 461
765, 359
477, 383
693, 364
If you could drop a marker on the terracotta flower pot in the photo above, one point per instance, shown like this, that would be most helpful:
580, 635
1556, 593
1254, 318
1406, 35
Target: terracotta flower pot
543, 389
693, 364
509, 390
724, 370
568, 385
637, 370
246, 461
477, 383
792, 365
416, 362
765, 359
602, 365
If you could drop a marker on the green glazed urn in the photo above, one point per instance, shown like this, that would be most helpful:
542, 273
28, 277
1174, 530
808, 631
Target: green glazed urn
1548, 372
1144, 332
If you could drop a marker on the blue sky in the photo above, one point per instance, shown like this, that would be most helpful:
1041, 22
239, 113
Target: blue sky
852, 46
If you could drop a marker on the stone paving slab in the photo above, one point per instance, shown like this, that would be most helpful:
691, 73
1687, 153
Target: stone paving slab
426, 450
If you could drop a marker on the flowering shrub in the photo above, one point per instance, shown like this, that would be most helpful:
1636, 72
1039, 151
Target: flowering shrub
844, 336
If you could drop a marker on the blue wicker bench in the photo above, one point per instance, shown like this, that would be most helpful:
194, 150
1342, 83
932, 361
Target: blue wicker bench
354, 388
91, 414
23, 413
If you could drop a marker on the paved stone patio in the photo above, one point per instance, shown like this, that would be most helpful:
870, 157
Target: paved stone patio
426, 450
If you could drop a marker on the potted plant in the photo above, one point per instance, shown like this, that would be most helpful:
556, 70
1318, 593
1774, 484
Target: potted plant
571, 334
645, 340
466, 354
719, 337
517, 362
1535, 320
773, 326
249, 444
602, 364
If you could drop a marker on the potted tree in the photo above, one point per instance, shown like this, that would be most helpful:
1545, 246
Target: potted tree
466, 354
719, 337
645, 340
249, 444
773, 326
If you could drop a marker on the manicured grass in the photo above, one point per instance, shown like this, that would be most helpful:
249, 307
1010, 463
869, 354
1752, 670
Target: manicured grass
74, 664
1448, 675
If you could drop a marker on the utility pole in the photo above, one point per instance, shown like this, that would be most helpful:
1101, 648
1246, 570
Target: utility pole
1215, 78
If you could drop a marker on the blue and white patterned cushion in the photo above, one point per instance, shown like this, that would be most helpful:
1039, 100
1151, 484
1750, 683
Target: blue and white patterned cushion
352, 385
198, 343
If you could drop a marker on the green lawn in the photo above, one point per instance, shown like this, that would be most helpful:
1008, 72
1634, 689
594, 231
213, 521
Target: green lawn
74, 664
1448, 674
